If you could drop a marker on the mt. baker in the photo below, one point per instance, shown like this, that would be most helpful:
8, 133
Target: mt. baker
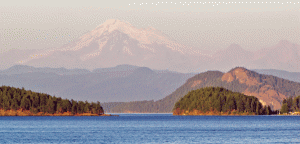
116, 42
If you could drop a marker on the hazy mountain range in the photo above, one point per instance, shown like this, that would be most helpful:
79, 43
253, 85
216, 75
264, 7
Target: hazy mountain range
117, 42
116, 84
292, 76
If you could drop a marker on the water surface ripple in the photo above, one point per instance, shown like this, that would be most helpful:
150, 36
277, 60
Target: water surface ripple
151, 128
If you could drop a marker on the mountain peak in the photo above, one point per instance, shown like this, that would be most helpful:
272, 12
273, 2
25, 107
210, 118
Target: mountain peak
239, 73
144, 35
286, 44
111, 21
114, 24
233, 49
239, 69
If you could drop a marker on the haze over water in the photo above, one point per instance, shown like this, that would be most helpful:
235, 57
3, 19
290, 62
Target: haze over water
150, 128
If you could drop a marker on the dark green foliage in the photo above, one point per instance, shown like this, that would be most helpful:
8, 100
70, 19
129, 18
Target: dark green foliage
290, 105
74, 106
220, 100
15, 98
284, 108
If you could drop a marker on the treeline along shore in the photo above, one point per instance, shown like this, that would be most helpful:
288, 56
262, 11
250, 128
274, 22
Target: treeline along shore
291, 106
21, 102
203, 101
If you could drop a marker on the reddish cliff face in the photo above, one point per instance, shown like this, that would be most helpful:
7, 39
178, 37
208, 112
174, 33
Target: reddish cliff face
240, 74
266, 94
197, 82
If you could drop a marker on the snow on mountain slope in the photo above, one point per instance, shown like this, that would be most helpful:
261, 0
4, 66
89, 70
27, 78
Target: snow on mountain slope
117, 42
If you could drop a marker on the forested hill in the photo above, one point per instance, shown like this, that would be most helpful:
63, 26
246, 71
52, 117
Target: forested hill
270, 90
17, 101
219, 101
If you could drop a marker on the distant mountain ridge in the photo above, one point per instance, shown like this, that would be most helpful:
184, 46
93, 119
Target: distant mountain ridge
115, 84
292, 76
270, 90
284, 55
234, 55
21, 69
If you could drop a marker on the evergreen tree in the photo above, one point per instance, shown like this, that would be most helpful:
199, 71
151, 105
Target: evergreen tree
268, 110
284, 108
74, 107
25, 103
240, 105
258, 108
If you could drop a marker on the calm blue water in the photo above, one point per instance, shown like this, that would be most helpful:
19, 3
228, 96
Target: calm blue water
150, 128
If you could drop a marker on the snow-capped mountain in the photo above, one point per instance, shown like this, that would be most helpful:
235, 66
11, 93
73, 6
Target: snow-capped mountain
117, 42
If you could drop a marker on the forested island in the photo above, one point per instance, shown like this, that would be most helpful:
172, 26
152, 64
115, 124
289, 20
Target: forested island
21, 102
219, 101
